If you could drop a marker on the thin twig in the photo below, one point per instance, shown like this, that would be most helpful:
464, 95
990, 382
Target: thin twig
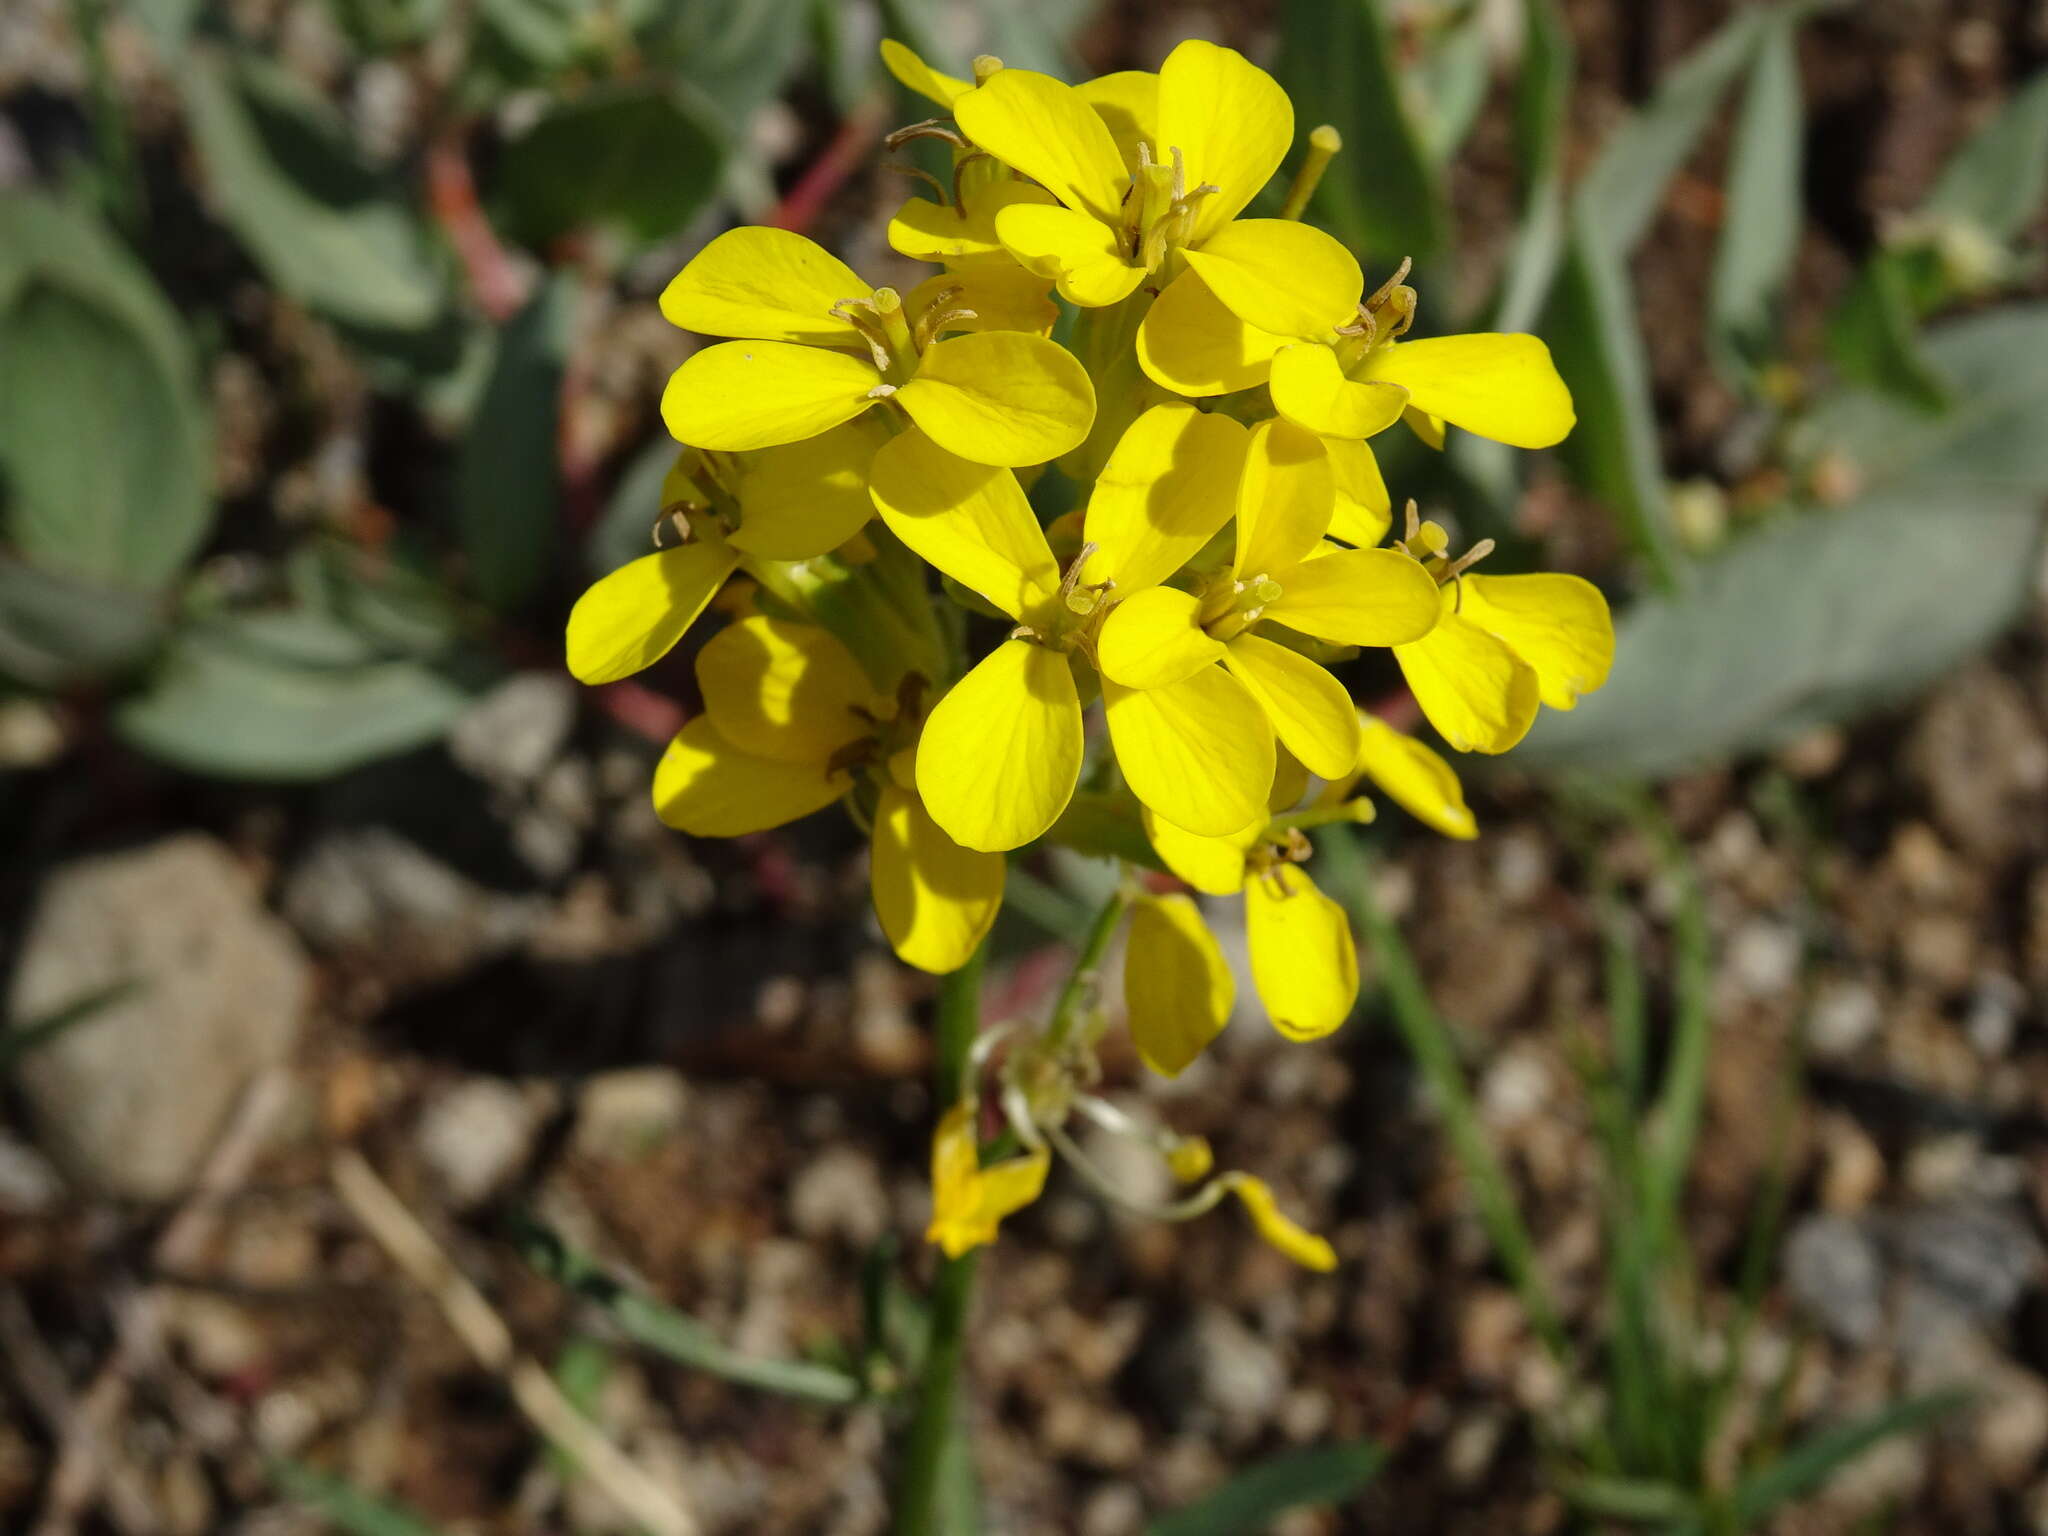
399, 1233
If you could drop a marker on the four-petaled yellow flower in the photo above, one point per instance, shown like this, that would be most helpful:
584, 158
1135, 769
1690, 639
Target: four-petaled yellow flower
820, 347
1197, 143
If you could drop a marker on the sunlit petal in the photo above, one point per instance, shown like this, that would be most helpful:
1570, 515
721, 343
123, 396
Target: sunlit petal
1189, 343
1282, 276
767, 285
632, 618
761, 394
1169, 486
961, 237
1076, 250
1046, 129
1414, 778
1474, 689
1558, 624
1001, 397
936, 900
1304, 961
1310, 711
1364, 509
1310, 390
913, 74
1359, 597
1199, 752
707, 787
1232, 123
1498, 385
1178, 990
1152, 638
782, 690
1284, 500
1292, 1239
1214, 865
806, 499
1001, 753
969, 520
1128, 102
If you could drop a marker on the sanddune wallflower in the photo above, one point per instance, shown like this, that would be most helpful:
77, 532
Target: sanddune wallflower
820, 347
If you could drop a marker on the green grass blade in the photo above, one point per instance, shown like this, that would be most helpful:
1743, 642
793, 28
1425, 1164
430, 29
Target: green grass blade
348, 1508
1804, 1468
1249, 1501
669, 1333
23, 1039
1625, 1498
1435, 1053
1675, 1122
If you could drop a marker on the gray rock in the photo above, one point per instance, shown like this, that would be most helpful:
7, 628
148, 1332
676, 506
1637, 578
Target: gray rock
475, 1135
839, 1193
1836, 1274
1217, 1363
371, 892
131, 1098
511, 735
1979, 1256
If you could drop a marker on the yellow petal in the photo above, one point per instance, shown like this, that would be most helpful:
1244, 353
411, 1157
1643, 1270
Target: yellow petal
991, 298
1304, 962
632, 618
1232, 123
1310, 390
1001, 753
936, 900
1152, 638
806, 499
1558, 624
961, 237
1076, 250
1128, 102
1497, 385
1358, 597
1169, 485
1189, 343
1044, 128
707, 787
1310, 710
1213, 865
969, 1201
1199, 751
1479, 694
968, 520
913, 74
1425, 426
1281, 276
1414, 778
1001, 397
1178, 991
767, 285
1290, 783
761, 394
1297, 1242
1364, 509
782, 690
1284, 499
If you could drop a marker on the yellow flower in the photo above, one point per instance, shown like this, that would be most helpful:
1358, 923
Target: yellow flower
1002, 751
968, 1200
820, 347
1299, 1244
786, 503
1281, 573
791, 724
1351, 383
1150, 177
1304, 962
1503, 645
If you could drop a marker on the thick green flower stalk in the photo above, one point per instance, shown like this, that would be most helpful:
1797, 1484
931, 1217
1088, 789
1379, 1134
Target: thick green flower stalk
903, 634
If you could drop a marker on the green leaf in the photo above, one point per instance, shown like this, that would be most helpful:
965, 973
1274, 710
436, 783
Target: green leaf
104, 440
1828, 613
102, 451
508, 501
1613, 451
1760, 234
1999, 179
55, 631
1873, 335
1252, 1499
287, 696
638, 159
1381, 195
736, 52
1453, 75
351, 1511
328, 230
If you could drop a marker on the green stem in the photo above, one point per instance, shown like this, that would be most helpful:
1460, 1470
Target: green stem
936, 1493
1067, 1010
120, 188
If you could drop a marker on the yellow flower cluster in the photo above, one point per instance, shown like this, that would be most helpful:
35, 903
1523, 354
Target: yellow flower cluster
1210, 409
